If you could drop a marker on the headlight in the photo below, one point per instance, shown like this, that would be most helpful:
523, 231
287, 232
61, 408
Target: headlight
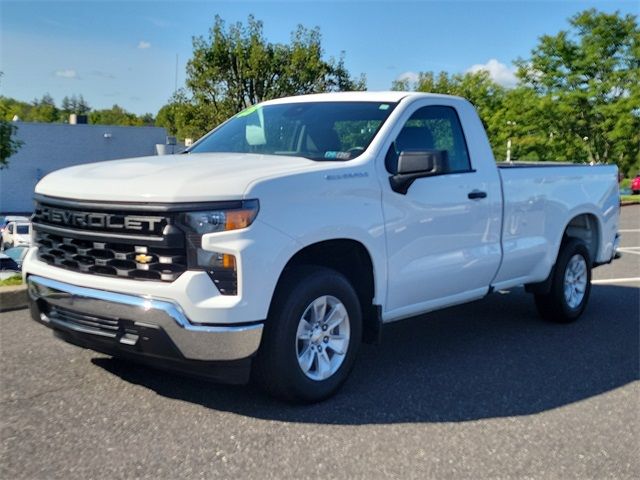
221, 267
222, 220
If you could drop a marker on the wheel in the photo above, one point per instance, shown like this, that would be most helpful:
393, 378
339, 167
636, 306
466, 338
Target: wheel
311, 336
570, 286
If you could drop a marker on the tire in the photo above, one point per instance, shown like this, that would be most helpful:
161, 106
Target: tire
283, 355
573, 271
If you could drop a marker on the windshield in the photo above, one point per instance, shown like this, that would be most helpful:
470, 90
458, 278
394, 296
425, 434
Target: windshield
315, 130
22, 229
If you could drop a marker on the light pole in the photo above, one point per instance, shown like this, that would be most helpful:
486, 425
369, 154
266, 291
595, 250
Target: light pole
510, 123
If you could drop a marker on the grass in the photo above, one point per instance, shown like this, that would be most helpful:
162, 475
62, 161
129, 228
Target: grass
630, 198
15, 280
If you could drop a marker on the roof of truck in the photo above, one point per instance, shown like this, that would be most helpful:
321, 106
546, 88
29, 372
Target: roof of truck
389, 96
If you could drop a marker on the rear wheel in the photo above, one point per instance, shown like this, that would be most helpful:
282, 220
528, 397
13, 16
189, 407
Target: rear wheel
311, 337
571, 284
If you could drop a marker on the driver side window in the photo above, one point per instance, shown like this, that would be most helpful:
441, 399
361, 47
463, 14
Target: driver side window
432, 128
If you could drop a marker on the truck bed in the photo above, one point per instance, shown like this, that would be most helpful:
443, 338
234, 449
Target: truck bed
538, 198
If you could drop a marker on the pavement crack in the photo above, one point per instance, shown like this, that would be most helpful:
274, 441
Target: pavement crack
40, 394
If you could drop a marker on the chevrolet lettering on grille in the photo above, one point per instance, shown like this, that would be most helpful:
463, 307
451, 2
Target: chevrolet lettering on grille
100, 220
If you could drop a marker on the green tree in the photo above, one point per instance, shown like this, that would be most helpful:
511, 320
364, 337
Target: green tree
12, 108
236, 67
115, 115
44, 110
486, 95
9, 145
147, 120
185, 118
588, 77
74, 104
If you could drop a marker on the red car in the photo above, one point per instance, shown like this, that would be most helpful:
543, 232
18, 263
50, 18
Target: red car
635, 185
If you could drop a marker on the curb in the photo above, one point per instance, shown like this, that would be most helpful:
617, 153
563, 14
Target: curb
13, 298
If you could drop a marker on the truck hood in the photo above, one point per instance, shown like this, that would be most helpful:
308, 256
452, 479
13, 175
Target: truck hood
170, 178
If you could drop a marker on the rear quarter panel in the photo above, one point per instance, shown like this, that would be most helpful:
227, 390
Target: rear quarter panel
539, 203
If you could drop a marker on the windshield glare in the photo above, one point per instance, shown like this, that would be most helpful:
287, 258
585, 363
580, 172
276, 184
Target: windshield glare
315, 130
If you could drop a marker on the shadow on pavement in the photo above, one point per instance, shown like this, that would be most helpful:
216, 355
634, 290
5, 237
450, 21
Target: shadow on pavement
492, 358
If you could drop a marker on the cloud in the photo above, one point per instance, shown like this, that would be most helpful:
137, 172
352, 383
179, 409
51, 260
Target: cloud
499, 72
66, 73
411, 77
143, 45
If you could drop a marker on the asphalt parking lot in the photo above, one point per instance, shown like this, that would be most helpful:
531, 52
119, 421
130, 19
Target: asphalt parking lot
486, 390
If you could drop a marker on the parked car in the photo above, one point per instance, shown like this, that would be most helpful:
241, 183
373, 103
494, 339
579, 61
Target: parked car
635, 185
4, 221
16, 234
296, 229
8, 267
17, 254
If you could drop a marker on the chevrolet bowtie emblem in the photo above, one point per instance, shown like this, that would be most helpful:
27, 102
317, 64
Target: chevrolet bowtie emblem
143, 258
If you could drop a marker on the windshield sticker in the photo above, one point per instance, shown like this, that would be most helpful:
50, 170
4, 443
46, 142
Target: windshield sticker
337, 155
247, 111
384, 106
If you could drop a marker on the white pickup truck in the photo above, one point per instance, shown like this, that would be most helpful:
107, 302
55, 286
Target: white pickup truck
296, 229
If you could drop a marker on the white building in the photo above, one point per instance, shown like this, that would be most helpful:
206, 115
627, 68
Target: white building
51, 146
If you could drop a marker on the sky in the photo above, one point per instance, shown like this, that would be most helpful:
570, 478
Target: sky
125, 52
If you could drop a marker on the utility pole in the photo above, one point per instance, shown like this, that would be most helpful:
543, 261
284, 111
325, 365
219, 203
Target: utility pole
510, 125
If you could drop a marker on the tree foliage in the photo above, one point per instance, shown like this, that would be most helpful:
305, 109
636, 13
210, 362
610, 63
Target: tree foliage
45, 110
236, 66
9, 145
115, 115
74, 104
578, 97
588, 78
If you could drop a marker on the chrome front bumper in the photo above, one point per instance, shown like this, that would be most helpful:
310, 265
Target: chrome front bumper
129, 321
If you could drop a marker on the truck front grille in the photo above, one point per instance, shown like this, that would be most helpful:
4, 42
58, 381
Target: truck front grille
114, 259
112, 243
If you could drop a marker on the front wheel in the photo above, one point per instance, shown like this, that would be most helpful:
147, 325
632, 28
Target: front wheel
571, 284
311, 336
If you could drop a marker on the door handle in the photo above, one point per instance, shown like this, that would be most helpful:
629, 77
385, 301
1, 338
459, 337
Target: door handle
476, 195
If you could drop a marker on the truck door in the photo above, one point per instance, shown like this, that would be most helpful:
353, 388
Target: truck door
443, 234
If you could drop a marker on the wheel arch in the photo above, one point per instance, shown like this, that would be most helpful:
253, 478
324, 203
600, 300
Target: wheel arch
352, 259
584, 226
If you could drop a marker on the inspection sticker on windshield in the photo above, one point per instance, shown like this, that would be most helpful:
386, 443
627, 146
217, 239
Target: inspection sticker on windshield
337, 155
384, 106
248, 111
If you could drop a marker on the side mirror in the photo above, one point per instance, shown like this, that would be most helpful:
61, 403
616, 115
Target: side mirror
418, 164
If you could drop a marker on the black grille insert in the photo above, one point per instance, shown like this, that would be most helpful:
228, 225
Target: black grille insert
113, 259
156, 253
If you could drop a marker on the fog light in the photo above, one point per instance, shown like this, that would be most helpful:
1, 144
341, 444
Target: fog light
222, 269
